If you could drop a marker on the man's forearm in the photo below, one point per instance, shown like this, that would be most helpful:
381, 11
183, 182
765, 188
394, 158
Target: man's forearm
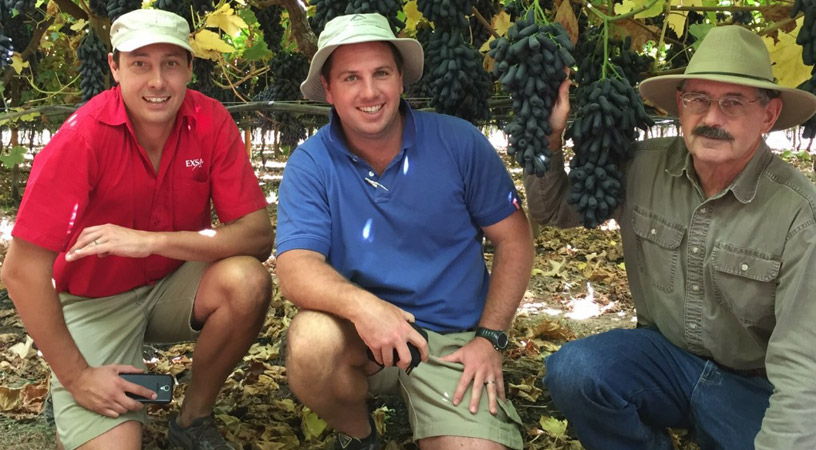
250, 235
512, 265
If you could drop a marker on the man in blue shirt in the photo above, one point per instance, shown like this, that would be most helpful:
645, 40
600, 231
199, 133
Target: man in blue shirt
381, 219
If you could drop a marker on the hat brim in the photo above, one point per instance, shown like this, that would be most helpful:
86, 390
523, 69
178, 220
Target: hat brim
136, 42
797, 105
413, 60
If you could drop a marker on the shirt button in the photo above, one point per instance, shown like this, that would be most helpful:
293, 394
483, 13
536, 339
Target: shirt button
695, 250
695, 287
702, 210
370, 173
653, 232
693, 326
744, 267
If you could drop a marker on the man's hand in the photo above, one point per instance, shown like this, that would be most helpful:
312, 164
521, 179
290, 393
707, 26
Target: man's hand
108, 239
385, 328
103, 391
483, 369
559, 114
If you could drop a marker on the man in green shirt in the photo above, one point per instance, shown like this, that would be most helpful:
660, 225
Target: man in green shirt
719, 237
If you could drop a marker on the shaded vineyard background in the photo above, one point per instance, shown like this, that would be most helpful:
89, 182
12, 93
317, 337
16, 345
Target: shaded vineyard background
254, 55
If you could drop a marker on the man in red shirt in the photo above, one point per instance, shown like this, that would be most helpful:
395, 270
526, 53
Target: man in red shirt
113, 244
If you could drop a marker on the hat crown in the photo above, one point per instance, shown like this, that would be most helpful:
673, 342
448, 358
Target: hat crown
732, 50
373, 26
142, 27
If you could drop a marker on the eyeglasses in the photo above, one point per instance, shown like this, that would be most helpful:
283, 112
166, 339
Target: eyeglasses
696, 103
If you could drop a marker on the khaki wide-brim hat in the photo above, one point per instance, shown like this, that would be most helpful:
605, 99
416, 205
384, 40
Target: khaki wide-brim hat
732, 54
354, 29
142, 27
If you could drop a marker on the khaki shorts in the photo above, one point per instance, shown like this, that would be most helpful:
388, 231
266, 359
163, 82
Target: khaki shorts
428, 394
112, 330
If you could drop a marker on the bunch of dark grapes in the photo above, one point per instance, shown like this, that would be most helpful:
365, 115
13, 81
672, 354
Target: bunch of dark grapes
118, 7
460, 85
204, 69
629, 62
422, 88
742, 17
288, 69
530, 65
326, 10
603, 131
16, 28
479, 33
93, 65
388, 8
446, 13
100, 7
20, 5
807, 39
6, 50
269, 19
626, 61
180, 7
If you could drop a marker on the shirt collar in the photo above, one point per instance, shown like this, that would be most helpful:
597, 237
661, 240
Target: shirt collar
409, 131
744, 186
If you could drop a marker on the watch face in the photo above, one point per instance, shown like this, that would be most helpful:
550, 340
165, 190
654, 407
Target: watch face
501, 340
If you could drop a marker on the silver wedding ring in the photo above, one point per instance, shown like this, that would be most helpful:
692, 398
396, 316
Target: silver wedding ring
489, 382
96, 243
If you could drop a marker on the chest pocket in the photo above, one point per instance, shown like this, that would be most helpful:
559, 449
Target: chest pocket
745, 283
658, 248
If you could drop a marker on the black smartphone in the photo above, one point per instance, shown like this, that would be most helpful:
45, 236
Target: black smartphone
161, 384
416, 357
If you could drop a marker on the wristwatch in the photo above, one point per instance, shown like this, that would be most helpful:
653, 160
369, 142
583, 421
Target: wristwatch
496, 337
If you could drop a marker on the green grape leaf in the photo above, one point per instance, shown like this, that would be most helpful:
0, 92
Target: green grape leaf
15, 156
258, 51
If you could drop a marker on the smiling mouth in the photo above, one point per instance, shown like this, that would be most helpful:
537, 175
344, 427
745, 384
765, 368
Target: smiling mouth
156, 100
370, 109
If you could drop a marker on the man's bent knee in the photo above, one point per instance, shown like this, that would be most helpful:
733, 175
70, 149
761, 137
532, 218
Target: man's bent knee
243, 281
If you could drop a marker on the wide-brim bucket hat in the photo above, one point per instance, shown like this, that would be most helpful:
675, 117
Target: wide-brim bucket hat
142, 27
354, 29
732, 54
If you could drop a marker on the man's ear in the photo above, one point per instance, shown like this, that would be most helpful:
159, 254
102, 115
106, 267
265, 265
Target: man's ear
772, 111
114, 68
326, 89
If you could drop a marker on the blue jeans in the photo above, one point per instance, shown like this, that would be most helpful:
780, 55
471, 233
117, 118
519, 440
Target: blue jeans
623, 388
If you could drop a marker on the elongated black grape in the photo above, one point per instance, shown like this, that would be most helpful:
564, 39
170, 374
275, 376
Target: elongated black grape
388, 8
446, 14
93, 65
530, 65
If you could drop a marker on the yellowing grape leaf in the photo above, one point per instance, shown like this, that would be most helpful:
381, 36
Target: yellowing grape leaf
79, 25
786, 56
501, 22
566, 17
18, 63
9, 398
630, 5
677, 19
557, 428
209, 45
412, 15
225, 19
312, 426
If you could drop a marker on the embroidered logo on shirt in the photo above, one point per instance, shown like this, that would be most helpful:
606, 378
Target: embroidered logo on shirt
194, 163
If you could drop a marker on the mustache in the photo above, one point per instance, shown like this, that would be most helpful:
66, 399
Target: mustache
712, 132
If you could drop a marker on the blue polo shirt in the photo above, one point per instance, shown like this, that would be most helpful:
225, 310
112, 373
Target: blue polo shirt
413, 236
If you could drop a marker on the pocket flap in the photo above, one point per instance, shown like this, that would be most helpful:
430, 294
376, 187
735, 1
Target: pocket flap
744, 264
657, 230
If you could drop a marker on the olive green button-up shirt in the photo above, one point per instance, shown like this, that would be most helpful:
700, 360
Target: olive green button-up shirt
730, 278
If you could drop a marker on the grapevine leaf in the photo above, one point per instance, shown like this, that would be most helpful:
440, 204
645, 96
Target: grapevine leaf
630, 5
312, 426
257, 52
786, 56
677, 19
501, 22
16, 156
225, 19
777, 13
557, 428
566, 17
209, 45
699, 31
79, 25
640, 34
18, 63
412, 15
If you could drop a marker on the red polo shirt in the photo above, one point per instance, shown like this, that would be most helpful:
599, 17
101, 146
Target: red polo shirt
93, 171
